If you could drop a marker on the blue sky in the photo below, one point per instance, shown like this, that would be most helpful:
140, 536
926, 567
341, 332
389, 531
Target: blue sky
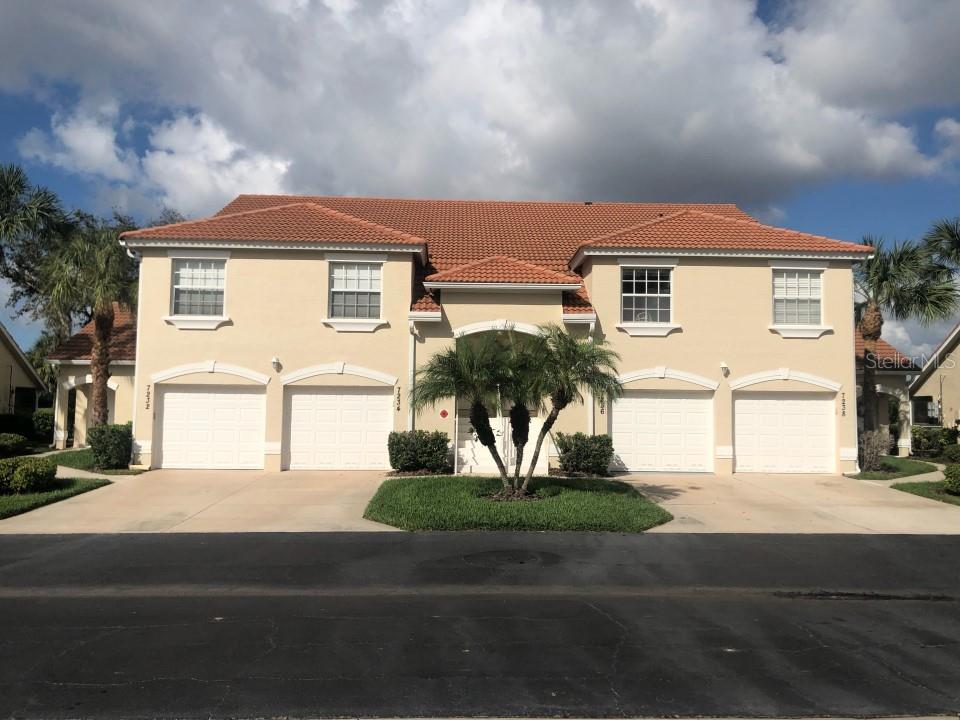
830, 117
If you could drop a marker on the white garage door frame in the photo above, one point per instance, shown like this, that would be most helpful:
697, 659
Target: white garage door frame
784, 432
337, 427
204, 427
668, 431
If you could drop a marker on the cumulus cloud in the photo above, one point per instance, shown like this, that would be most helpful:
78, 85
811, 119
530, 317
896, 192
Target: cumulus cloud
650, 100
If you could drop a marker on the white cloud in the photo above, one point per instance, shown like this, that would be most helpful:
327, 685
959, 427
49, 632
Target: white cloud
913, 339
191, 165
650, 100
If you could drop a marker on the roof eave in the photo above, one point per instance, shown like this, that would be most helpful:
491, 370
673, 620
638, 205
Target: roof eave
499, 287
22, 358
583, 252
316, 245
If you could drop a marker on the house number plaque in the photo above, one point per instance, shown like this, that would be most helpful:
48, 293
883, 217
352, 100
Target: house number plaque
397, 397
843, 404
147, 403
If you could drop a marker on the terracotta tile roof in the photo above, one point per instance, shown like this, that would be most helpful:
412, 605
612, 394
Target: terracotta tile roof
503, 269
459, 231
423, 299
890, 357
123, 342
577, 302
293, 222
695, 229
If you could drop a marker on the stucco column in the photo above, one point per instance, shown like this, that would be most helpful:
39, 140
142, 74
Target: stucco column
273, 442
60, 417
904, 445
723, 429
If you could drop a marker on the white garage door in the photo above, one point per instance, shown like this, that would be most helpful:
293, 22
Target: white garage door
784, 433
663, 432
211, 428
339, 428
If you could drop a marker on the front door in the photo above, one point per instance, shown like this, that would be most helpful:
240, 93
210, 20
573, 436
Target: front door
473, 457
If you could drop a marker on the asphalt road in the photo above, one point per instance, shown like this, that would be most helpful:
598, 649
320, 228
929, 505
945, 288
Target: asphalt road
478, 624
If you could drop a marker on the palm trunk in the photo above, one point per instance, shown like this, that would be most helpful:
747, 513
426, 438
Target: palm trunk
100, 364
480, 419
544, 431
871, 325
519, 462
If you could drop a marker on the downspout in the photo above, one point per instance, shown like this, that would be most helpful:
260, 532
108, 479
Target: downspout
411, 375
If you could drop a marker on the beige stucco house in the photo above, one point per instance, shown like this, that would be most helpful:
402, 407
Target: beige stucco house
284, 332
20, 386
893, 372
72, 405
935, 391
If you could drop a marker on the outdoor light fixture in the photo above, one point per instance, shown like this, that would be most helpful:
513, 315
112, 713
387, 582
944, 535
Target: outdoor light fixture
275, 362
725, 369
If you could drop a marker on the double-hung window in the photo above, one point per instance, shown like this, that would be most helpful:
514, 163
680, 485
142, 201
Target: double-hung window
645, 295
355, 290
198, 286
797, 297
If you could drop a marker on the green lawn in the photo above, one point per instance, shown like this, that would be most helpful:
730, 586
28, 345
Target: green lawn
460, 503
897, 467
11, 505
932, 490
83, 460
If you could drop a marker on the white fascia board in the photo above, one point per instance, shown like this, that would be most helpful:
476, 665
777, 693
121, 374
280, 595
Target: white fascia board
674, 252
573, 318
279, 245
935, 359
87, 362
425, 315
501, 287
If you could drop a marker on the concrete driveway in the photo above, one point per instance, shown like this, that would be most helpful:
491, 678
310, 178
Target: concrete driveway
212, 501
793, 504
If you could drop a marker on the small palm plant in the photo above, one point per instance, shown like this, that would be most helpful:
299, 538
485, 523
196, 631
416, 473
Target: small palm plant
905, 281
474, 369
93, 271
567, 365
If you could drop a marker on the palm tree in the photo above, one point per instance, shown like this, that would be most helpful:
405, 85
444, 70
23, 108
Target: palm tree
567, 366
943, 240
523, 389
32, 224
903, 280
92, 271
474, 369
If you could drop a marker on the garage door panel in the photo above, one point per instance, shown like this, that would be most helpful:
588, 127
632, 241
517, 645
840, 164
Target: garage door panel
204, 428
339, 428
665, 432
781, 433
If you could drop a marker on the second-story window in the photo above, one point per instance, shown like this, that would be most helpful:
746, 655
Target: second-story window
796, 297
198, 286
355, 290
645, 295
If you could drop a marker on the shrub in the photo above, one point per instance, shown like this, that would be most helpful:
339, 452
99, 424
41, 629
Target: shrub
11, 445
951, 453
951, 481
414, 450
587, 454
873, 446
26, 474
17, 423
43, 425
931, 441
111, 445
33, 474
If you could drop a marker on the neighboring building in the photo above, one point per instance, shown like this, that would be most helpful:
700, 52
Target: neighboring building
284, 332
935, 392
20, 386
73, 411
893, 374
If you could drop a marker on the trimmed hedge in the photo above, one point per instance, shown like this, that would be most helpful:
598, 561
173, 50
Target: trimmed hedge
26, 474
951, 479
111, 445
43, 425
12, 444
16, 423
415, 450
586, 454
951, 453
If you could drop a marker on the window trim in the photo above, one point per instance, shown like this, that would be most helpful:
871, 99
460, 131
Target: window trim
648, 329
346, 324
198, 322
799, 331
